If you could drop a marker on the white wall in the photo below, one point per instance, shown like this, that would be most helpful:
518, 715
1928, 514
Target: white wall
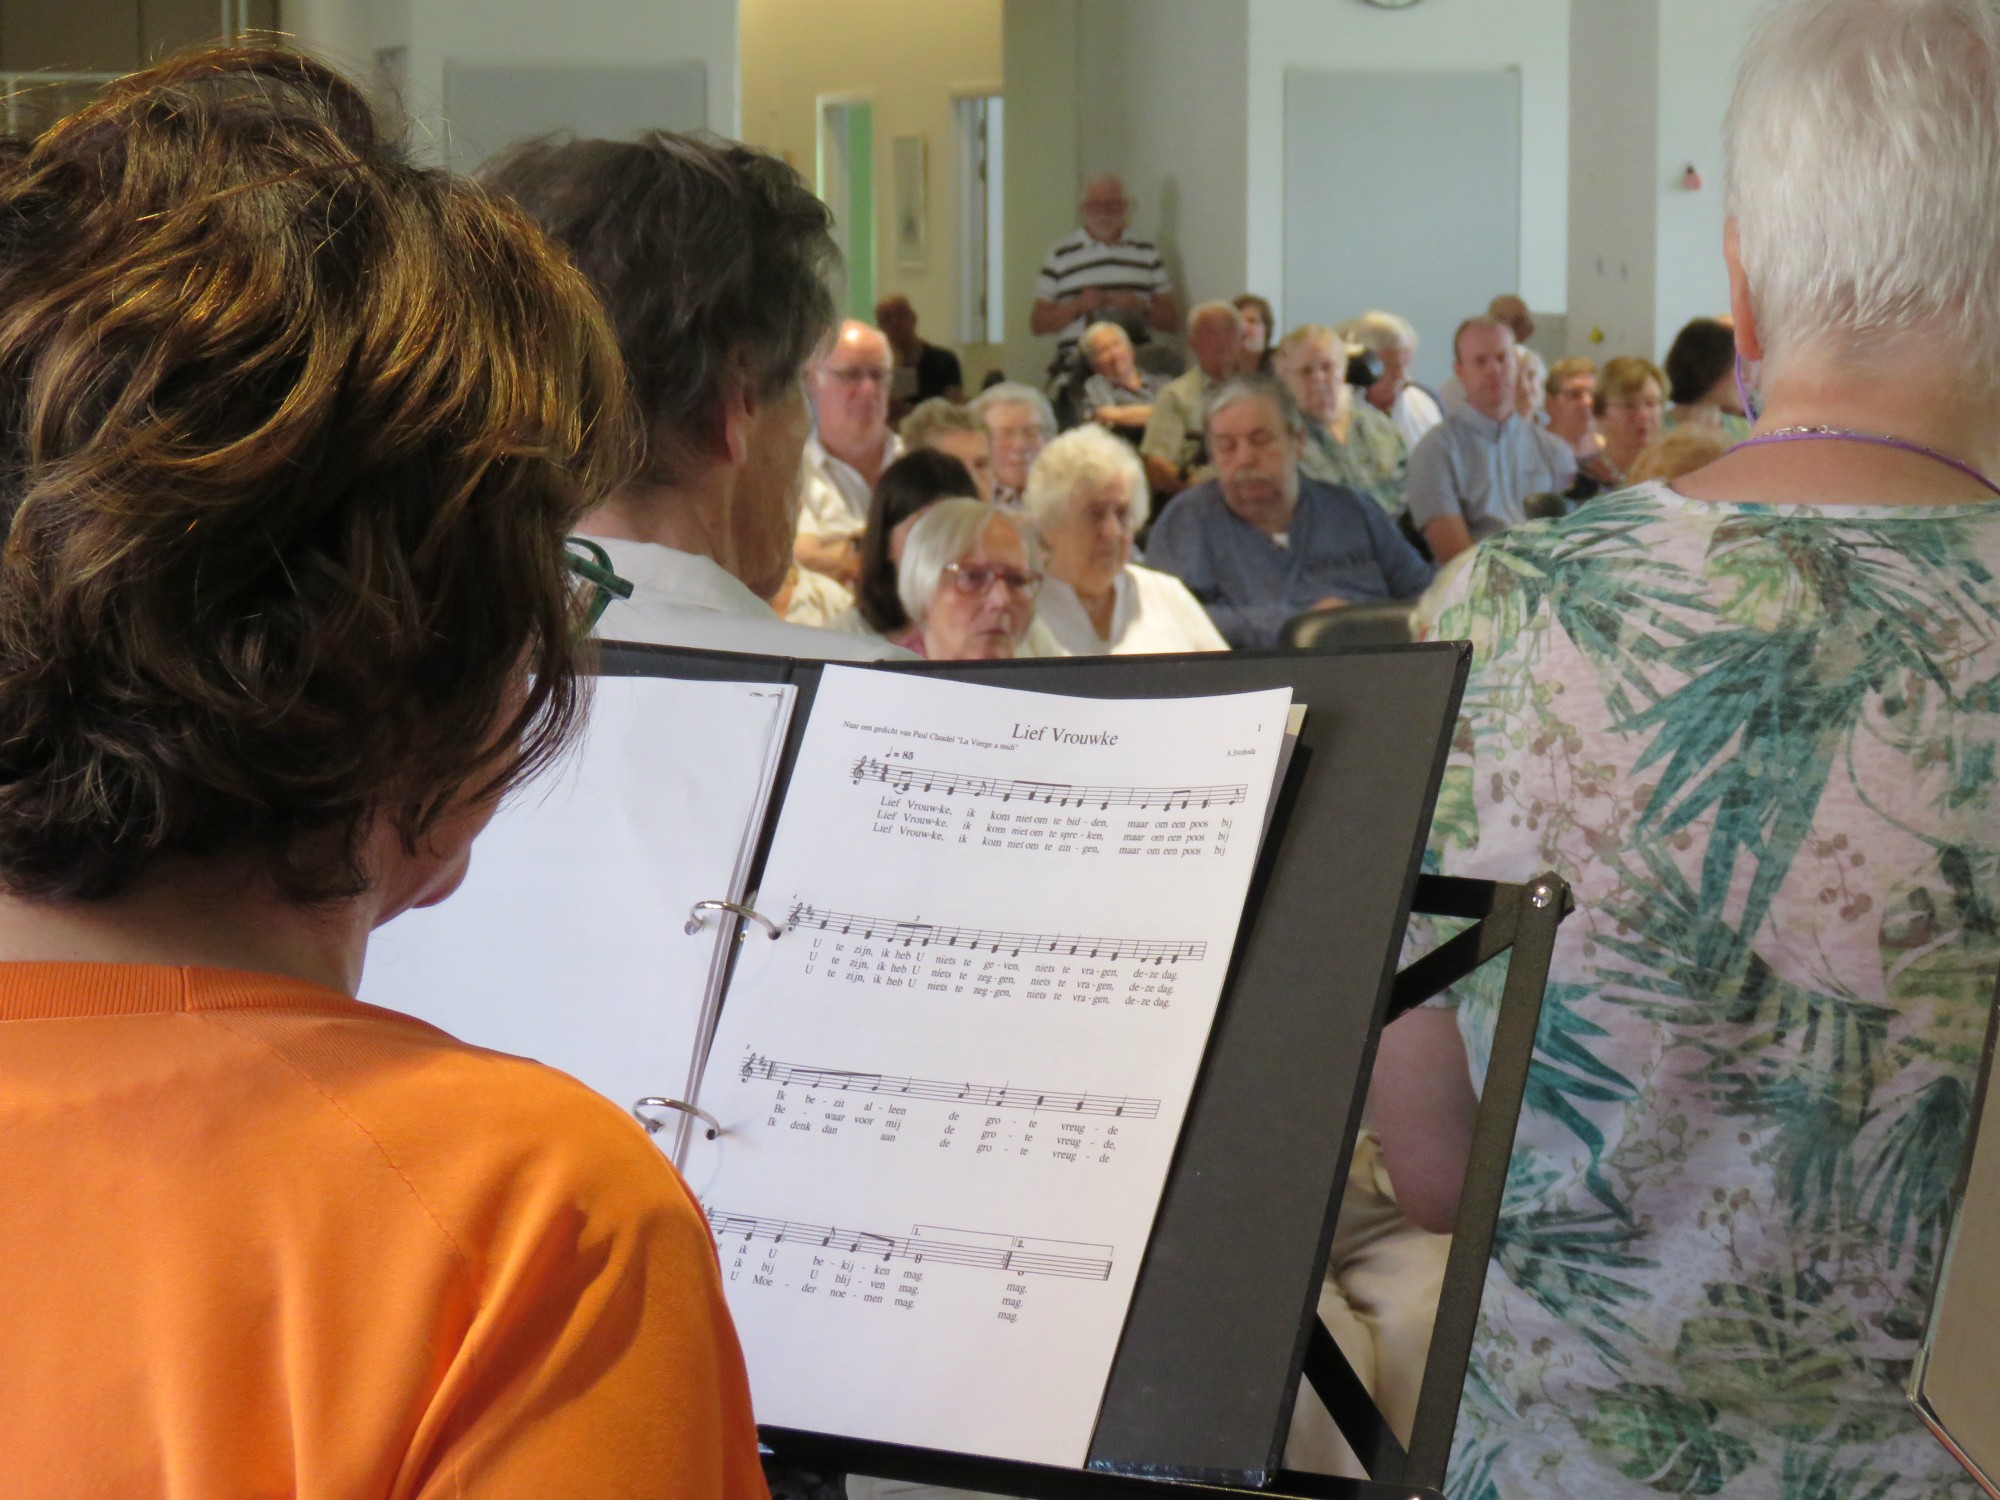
1700, 42
910, 58
1439, 35
1164, 104
1614, 193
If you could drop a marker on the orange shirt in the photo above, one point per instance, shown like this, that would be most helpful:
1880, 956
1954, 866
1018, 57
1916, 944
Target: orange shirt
259, 1239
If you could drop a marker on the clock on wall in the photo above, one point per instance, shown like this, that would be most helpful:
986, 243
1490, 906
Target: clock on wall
1390, 4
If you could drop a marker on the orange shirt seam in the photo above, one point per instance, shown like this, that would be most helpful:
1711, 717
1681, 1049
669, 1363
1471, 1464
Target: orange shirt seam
458, 1253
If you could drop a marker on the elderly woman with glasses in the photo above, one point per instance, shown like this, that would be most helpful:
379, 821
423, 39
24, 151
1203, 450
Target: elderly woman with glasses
969, 576
1087, 495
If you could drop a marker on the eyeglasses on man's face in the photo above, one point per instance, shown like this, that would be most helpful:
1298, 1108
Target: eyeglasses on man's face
973, 580
592, 565
853, 377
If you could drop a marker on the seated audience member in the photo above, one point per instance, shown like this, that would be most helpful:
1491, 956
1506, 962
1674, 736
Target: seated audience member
1117, 394
280, 633
1701, 380
703, 531
1260, 543
968, 580
850, 447
1172, 446
1471, 473
1570, 406
1347, 441
1259, 329
908, 487
923, 372
1393, 342
1019, 419
810, 598
1087, 497
1630, 402
1682, 451
1531, 374
1747, 719
946, 427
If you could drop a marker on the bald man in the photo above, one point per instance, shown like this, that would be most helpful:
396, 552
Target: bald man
850, 447
1100, 269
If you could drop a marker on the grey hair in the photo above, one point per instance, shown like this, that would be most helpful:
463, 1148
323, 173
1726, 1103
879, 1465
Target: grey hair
1010, 393
1864, 176
1379, 330
944, 533
1248, 387
1211, 309
932, 418
1083, 456
1095, 332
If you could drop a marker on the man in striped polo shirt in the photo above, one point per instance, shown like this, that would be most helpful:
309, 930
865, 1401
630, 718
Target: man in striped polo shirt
1098, 269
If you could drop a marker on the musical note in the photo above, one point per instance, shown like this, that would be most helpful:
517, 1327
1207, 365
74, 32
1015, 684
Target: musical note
1013, 944
961, 1252
902, 777
992, 1096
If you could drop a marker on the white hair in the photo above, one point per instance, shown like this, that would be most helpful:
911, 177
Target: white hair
1083, 456
944, 533
1203, 310
1379, 330
1096, 333
1011, 393
1864, 177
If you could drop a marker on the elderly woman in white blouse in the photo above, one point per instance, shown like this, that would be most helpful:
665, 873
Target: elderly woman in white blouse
1087, 496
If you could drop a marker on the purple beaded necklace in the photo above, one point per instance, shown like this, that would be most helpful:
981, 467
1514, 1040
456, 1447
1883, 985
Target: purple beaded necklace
1848, 435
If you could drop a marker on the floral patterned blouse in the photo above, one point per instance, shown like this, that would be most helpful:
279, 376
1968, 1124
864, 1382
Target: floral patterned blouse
1760, 741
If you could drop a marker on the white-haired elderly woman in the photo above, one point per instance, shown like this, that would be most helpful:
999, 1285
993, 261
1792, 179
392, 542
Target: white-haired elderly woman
1087, 496
1393, 342
1018, 419
1347, 441
1752, 719
968, 580
1119, 395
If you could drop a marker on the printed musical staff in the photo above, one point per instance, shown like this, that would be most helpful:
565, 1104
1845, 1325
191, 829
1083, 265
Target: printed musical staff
1013, 944
907, 778
990, 1096
1000, 1253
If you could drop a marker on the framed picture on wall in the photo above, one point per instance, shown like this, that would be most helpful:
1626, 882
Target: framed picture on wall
909, 202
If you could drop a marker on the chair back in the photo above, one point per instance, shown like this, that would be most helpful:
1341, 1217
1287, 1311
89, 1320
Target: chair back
1349, 627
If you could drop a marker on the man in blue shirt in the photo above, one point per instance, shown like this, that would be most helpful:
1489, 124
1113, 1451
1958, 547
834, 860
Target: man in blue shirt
1260, 543
1471, 475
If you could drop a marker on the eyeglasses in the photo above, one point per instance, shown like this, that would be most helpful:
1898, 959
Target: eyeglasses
972, 580
859, 375
592, 564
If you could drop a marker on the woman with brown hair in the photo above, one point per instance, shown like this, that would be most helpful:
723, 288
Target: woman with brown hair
291, 433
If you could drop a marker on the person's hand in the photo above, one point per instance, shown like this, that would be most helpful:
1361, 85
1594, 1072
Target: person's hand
1333, 601
1090, 299
1128, 301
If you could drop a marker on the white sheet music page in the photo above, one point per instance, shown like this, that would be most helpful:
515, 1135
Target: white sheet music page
566, 942
951, 1090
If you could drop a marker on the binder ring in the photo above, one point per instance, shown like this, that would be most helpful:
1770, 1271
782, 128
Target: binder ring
695, 923
653, 1126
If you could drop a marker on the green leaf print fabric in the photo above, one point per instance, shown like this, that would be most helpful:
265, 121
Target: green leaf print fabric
1760, 741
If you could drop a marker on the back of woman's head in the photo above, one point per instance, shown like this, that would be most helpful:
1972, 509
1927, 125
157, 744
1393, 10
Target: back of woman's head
1703, 352
913, 482
290, 434
1864, 176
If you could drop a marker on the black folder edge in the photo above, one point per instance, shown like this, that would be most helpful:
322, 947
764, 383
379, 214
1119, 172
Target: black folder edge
1919, 1402
1198, 1372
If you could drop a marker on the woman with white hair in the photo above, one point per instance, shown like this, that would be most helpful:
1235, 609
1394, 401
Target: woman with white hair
968, 579
1348, 442
1087, 496
1751, 719
1393, 341
1019, 419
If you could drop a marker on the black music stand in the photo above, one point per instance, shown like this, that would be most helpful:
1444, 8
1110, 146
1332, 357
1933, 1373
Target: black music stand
1224, 1318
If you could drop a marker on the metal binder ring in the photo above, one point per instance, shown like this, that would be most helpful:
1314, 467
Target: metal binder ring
653, 1126
695, 924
